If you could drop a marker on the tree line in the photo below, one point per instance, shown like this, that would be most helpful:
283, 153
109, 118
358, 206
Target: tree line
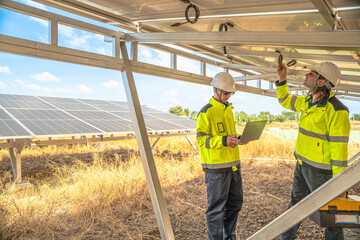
241, 117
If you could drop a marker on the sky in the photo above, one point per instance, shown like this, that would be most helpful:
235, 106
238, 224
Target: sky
39, 77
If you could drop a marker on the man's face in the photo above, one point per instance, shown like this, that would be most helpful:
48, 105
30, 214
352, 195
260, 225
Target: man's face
224, 97
310, 78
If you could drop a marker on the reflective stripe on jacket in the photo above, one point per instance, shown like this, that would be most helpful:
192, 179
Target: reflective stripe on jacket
324, 130
214, 123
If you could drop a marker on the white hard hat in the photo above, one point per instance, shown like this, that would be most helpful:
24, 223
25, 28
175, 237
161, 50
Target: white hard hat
224, 81
329, 71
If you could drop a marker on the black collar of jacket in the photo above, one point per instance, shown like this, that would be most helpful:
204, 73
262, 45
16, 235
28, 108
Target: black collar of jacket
323, 102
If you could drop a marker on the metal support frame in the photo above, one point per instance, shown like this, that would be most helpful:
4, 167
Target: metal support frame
15, 158
345, 40
157, 198
321, 196
153, 145
191, 143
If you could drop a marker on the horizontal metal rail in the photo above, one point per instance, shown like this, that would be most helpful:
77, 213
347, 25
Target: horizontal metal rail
90, 140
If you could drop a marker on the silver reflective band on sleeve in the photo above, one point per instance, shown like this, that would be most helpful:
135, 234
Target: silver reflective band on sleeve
323, 136
283, 98
200, 134
207, 142
339, 163
314, 164
338, 139
293, 100
220, 165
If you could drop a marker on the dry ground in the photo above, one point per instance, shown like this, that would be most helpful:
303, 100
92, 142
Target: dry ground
266, 195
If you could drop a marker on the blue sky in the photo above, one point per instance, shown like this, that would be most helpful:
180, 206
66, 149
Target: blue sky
34, 76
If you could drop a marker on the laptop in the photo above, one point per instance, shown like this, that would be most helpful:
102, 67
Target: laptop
252, 131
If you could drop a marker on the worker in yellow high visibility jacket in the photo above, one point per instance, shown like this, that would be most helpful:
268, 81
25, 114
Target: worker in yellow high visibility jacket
324, 128
218, 144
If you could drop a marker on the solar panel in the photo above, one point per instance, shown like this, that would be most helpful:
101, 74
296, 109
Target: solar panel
10, 128
105, 105
30, 116
52, 122
25, 102
109, 123
68, 104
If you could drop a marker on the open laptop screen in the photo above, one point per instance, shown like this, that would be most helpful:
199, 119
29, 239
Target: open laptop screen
252, 131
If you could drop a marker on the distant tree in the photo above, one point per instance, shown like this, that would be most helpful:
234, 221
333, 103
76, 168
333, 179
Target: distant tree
264, 116
290, 115
193, 115
280, 118
241, 117
187, 112
356, 116
179, 111
176, 110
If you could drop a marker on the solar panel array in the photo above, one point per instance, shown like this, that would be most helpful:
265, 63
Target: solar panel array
30, 116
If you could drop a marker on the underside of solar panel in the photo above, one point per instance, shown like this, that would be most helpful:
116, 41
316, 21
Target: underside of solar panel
31, 116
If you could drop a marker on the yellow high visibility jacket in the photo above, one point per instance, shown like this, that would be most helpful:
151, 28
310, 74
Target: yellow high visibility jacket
324, 130
214, 123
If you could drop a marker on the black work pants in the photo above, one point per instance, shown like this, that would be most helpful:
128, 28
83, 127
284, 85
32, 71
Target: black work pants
225, 198
306, 179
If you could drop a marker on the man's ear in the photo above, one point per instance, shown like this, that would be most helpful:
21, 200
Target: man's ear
320, 81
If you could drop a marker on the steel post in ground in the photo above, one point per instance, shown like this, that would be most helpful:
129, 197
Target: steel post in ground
157, 198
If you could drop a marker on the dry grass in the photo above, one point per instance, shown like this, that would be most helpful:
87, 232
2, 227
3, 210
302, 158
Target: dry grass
94, 192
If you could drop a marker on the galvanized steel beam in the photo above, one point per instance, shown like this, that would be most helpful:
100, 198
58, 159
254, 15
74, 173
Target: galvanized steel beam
321, 196
346, 40
157, 198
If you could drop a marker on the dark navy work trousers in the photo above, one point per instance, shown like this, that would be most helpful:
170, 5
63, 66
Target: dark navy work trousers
225, 198
306, 179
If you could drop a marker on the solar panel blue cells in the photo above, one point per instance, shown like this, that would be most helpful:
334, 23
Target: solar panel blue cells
68, 104
105, 105
163, 126
108, 122
23, 102
53, 123
51, 116
9, 128
147, 109
189, 124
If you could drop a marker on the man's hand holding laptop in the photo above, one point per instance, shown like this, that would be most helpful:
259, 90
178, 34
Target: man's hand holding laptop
232, 141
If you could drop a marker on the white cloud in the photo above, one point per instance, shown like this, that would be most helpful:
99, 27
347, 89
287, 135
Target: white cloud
110, 83
103, 51
36, 87
33, 86
45, 77
2, 84
78, 41
188, 65
170, 96
63, 90
83, 88
170, 99
65, 30
145, 53
35, 4
19, 81
171, 93
43, 22
5, 70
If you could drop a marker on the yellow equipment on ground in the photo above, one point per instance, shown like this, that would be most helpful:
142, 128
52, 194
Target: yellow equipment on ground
343, 212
